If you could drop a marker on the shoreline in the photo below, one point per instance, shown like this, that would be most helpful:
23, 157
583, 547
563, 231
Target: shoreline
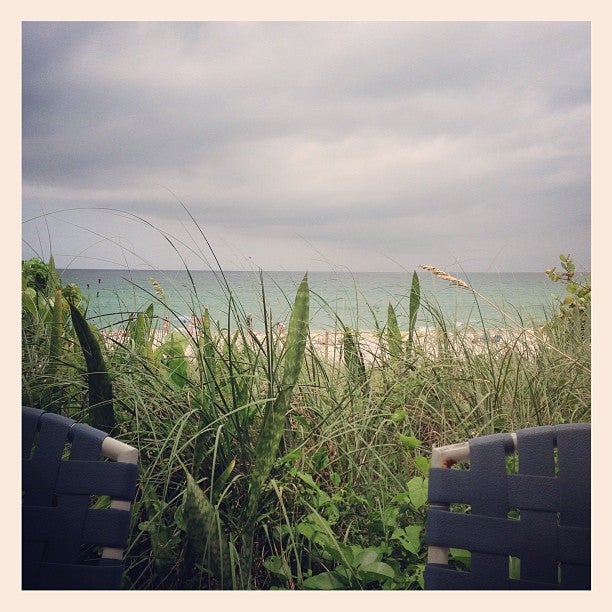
328, 345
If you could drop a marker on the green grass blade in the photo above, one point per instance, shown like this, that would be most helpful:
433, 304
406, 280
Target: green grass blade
57, 328
207, 395
415, 303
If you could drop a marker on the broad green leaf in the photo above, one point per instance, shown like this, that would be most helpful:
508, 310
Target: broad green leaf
461, 556
172, 355
515, 568
140, 331
417, 489
409, 537
409, 442
278, 567
390, 515
307, 529
342, 553
422, 464
28, 300
327, 581
373, 572
368, 557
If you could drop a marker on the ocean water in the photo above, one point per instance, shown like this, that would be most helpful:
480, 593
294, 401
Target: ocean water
358, 300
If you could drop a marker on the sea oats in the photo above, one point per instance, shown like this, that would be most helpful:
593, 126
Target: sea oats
159, 291
445, 276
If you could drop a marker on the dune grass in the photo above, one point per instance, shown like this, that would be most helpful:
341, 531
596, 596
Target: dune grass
265, 464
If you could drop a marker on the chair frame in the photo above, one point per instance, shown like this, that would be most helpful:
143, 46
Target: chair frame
116, 479
445, 457
122, 453
553, 529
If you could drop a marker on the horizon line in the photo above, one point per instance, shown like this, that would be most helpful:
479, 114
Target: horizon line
296, 271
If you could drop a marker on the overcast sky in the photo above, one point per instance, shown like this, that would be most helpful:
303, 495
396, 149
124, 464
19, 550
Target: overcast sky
307, 146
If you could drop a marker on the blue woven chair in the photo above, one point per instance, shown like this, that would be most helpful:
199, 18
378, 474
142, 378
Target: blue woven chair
537, 520
71, 538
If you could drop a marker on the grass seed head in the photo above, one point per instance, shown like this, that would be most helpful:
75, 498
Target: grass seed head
445, 276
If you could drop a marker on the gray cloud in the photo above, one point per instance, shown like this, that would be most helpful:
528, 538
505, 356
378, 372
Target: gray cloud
369, 142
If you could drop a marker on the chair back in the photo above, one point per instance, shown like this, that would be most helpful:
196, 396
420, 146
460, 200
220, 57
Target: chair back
77, 485
525, 530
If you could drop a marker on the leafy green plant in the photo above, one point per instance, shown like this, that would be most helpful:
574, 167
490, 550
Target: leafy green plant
395, 559
47, 335
574, 315
578, 290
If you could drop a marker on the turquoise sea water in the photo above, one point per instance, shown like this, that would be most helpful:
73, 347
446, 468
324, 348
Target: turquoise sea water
360, 300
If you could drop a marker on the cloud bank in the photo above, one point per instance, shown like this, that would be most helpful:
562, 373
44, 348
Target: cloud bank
307, 145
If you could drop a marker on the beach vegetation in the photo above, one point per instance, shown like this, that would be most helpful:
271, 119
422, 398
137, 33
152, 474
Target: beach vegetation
269, 463
574, 308
53, 324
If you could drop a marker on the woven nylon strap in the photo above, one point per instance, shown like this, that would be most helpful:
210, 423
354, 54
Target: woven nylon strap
552, 534
62, 471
